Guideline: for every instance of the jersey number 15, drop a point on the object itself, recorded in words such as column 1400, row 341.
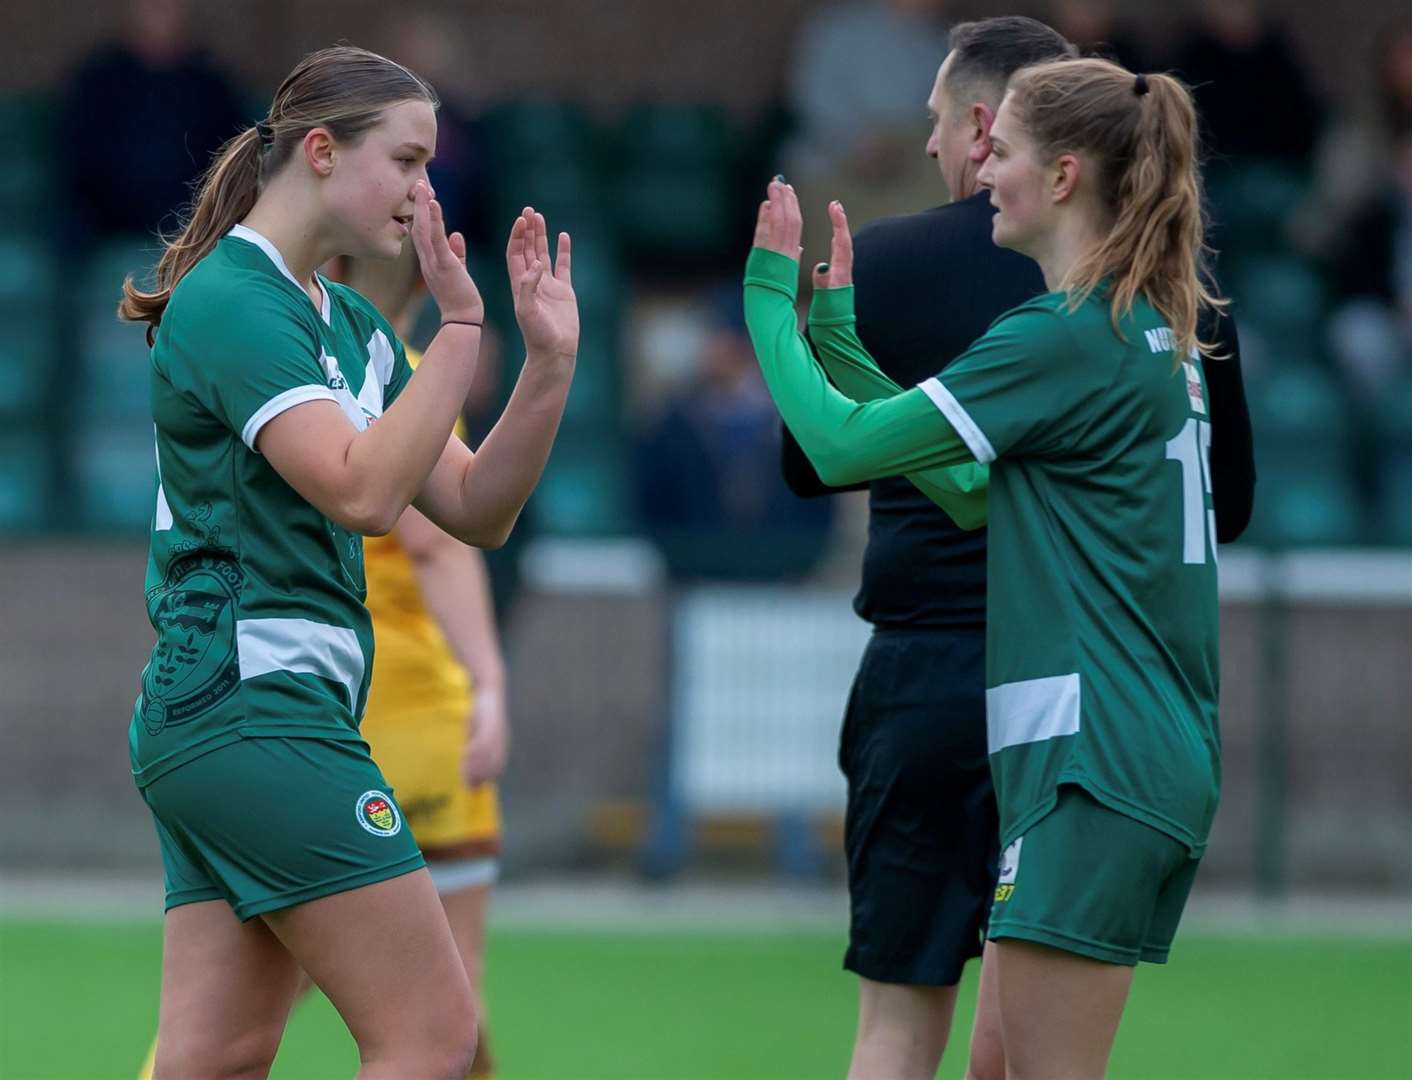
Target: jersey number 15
column 1192, row 450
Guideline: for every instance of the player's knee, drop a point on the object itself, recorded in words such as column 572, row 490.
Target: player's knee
column 241, row 1057
column 458, row 1051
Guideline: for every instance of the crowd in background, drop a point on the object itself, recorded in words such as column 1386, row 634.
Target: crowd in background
column 669, row 431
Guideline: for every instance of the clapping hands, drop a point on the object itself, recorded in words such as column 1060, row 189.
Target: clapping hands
column 779, row 227
column 545, row 305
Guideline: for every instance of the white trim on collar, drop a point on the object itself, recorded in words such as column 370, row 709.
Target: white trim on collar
column 250, row 236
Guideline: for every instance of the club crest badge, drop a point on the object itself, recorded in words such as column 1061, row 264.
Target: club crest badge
column 195, row 665
column 378, row 814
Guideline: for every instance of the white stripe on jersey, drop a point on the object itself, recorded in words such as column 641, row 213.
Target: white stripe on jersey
column 302, row 645
column 1031, row 710
column 960, row 419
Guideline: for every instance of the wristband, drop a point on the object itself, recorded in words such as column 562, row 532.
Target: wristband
column 460, row 322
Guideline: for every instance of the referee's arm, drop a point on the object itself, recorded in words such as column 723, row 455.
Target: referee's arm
column 1232, row 444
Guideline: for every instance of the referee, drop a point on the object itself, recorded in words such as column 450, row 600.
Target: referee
column 921, row 831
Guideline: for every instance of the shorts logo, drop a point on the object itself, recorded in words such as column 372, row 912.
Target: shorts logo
column 378, row 815
column 1009, row 868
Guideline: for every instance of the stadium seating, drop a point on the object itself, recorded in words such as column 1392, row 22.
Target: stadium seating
column 1281, row 295
column 1392, row 424
column 584, row 488
column 545, row 154
column 1303, row 446
column 25, row 477
column 26, row 180
column 114, row 471
column 1251, row 201
column 673, row 181
column 111, row 460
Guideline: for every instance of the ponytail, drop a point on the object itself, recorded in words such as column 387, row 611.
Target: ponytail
column 342, row 89
column 1141, row 134
column 226, row 194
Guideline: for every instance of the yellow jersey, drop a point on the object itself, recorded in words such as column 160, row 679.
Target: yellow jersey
column 413, row 666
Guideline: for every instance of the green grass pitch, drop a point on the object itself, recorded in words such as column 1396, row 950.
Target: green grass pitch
column 78, row 1001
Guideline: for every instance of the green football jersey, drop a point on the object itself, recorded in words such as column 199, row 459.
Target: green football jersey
column 255, row 596
column 1102, row 660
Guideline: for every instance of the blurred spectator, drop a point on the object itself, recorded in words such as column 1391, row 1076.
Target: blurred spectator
column 425, row 41
column 859, row 71
column 709, row 488
column 1251, row 88
column 141, row 118
column 1093, row 26
column 1371, row 328
column 1355, row 160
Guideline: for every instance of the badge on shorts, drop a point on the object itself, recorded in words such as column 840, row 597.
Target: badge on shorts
column 1009, row 867
column 378, row 814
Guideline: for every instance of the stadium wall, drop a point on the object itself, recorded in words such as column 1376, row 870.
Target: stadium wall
column 1316, row 686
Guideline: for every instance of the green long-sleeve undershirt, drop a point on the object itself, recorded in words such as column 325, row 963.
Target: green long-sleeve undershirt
column 847, row 441
column 960, row 490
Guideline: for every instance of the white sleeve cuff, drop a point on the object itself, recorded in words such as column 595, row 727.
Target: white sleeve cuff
column 960, row 419
column 278, row 404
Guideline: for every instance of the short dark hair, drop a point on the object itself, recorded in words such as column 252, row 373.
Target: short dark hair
column 986, row 52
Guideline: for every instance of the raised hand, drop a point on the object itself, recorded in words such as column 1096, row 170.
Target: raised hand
column 545, row 305
column 838, row 271
column 443, row 261
column 779, row 226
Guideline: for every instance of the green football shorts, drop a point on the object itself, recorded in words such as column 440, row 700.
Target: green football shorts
column 266, row 823
column 1092, row 881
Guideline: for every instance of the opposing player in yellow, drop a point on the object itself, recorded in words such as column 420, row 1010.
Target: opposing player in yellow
column 435, row 720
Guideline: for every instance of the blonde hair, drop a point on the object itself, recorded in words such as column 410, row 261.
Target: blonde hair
column 1141, row 133
column 343, row 89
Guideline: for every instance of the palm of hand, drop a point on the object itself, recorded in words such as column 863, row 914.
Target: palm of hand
column 550, row 321
column 545, row 305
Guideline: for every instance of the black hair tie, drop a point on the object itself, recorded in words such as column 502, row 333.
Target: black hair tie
column 266, row 134
column 1140, row 85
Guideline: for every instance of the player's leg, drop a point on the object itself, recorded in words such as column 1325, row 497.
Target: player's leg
column 226, row 991
column 1059, row 1010
column 460, row 834
column 902, row 1030
column 383, row 954
column 920, row 836
column 1074, row 910
column 305, row 833
column 466, row 912
column 226, row 985
column 987, row 1057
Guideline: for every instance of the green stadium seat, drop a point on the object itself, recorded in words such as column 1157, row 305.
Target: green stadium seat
column 1392, row 432
column 1283, row 295
column 113, row 374
column 674, row 183
column 583, row 491
column 115, row 473
column 540, row 130
column 24, row 477
column 1299, row 414
column 1251, row 201
column 546, row 155
column 103, row 272
column 28, row 366
column 1303, row 507
column 116, row 379
column 27, row 271
column 596, row 394
column 27, row 177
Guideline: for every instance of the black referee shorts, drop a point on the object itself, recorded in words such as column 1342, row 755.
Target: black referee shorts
column 921, row 832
